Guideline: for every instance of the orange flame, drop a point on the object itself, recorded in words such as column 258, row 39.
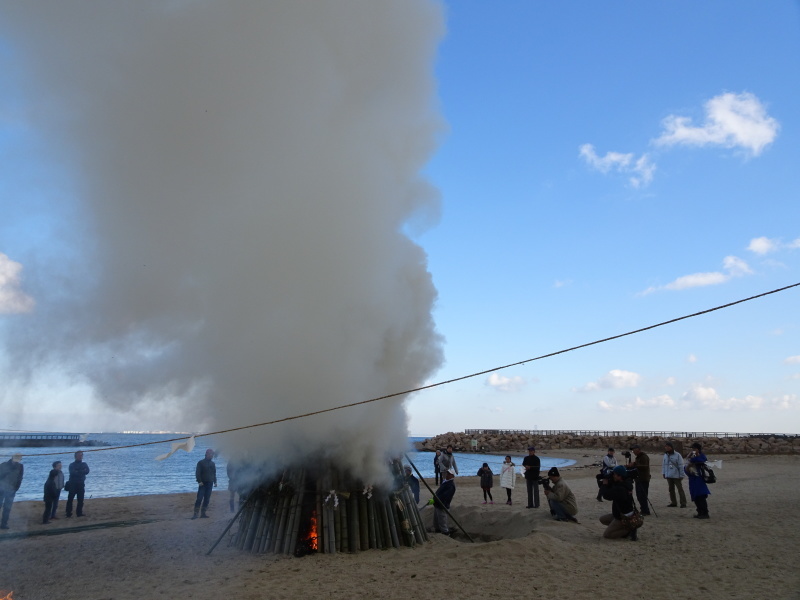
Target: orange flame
column 8, row 595
column 313, row 533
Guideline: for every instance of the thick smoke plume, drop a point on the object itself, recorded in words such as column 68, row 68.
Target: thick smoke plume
column 244, row 173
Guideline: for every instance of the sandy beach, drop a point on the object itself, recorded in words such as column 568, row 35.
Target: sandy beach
column 746, row 550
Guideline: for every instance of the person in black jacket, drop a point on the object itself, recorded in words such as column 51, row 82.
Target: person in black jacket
column 619, row 489
column 487, row 481
column 206, row 475
column 11, row 473
column 51, row 492
column 532, row 465
column 76, row 484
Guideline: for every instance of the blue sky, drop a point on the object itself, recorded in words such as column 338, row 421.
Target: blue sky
column 604, row 167
column 608, row 167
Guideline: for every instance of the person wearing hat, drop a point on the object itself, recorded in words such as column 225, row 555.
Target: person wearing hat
column 698, row 490
column 11, row 473
column 563, row 505
column 642, row 482
column 672, row 470
column 532, row 465
column 619, row 489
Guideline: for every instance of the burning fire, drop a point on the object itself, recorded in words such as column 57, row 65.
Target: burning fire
column 8, row 595
column 313, row 533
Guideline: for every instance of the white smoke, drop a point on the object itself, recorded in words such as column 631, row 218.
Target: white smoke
column 244, row 173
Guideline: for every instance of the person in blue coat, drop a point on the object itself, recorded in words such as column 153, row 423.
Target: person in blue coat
column 698, row 490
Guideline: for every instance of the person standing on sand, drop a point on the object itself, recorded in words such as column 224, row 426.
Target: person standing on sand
column 487, row 481
column 51, row 492
column 437, row 474
column 508, row 477
column 11, row 473
column 76, row 484
column 59, row 487
column 532, row 466
column 672, row 470
column 642, row 483
column 698, row 490
column 206, row 475
column 447, row 462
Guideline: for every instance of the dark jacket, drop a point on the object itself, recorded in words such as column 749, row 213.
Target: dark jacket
column 206, row 471
column 11, row 475
column 621, row 495
column 413, row 483
column 642, row 464
column 535, row 465
column 78, row 471
column 51, row 489
column 487, row 477
column 445, row 493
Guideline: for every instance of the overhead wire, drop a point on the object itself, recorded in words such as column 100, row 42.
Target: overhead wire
column 440, row 383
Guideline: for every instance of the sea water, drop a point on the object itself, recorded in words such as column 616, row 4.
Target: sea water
column 133, row 470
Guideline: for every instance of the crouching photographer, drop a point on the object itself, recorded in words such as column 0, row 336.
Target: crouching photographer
column 562, row 502
column 624, row 519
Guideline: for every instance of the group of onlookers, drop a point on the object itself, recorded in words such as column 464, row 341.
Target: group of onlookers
column 616, row 483
column 12, row 472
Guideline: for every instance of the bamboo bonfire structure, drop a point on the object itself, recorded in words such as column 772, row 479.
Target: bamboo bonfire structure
column 302, row 511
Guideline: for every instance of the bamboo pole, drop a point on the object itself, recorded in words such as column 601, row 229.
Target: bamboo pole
column 363, row 520
column 294, row 529
column 387, row 534
column 283, row 514
column 355, row 529
column 392, row 522
column 271, row 506
column 373, row 543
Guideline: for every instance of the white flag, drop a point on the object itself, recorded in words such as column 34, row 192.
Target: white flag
column 187, row 445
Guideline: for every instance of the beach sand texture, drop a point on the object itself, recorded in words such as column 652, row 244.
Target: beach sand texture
column 748, row 549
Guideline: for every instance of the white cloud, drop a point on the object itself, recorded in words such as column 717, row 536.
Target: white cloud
column 662, row 401
column 762, row 245
column 786, row 402
column 732, row 120
column 705, row 397
column 562, row 283
column 641, row 169
column 12, row 298
column 734, row 266
column 613, row 380
column 792, row 360
column 691, row 358
column 765, row 245
column 670, row 381
column 505, row 384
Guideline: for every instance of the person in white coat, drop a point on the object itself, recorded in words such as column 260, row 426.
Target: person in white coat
column 508, row 477
column 672, row 470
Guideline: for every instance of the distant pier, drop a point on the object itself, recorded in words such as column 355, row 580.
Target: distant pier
column 40, row 440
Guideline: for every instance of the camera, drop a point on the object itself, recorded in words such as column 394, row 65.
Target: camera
column 544, row 482
column 627, row 454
